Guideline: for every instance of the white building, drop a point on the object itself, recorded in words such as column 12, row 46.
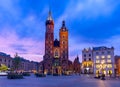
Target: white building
column 103, row 60
column 98, row 60
column 87, row 61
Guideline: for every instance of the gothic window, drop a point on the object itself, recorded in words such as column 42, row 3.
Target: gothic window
column 63, row 42
column 56, row 54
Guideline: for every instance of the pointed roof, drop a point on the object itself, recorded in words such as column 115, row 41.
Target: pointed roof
column 56, row 43
column 49, row 15
column 63, row 28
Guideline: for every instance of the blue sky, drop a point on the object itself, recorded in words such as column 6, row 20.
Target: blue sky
column 90, row 23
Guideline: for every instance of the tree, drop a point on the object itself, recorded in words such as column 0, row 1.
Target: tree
column 16, row 62
column 3, row 67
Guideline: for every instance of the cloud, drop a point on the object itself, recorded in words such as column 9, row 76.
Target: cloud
column 26, row 47
column 23, row 32
column 76, row 46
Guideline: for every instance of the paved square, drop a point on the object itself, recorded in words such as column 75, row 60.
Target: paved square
column 58, row 81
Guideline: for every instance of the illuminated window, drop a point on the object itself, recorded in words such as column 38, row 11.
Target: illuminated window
column 109, row 72
column 109, row 61
column 109, row 56
column 102, row 56
column 102, row 61
column 97, row 61
column 97, row 66
column 87, row 49
column 104, row 66
column 109, row 65
column 97, row 57
column 97, row 72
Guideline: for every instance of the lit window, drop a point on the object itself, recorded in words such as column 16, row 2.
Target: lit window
column 103, row 56
column 109, row 65
column 104, row 66
column 109, row 72
column 97, row 57
column 102, row 61
column 109, row 56
column 109, row 61
column 97, row 61
column 97, row 66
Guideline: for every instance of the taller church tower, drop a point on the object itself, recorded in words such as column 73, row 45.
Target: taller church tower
column 49, row 37
column 49, row 41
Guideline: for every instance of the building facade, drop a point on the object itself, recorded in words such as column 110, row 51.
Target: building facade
column 76, row 66
column 6, row 60
column 55, row 59
column 87, row 61
column 117, row 64
column 104, row 61
column 98, row 60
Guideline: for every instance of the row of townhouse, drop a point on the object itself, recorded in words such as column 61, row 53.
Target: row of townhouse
column 98, row 60
column 25, row 65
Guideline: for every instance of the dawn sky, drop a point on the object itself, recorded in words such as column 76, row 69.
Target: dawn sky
column 90, row 23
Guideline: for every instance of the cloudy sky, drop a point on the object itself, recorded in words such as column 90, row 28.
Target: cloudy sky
column 90, row 23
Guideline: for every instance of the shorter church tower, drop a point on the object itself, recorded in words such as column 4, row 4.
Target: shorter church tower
column 63, row 35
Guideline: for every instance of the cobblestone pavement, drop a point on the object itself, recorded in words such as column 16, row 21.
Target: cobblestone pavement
column 59, row 81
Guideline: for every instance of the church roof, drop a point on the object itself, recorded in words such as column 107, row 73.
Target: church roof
column 49, row 16
column 49, row 19
column 63, row 28
column 56, row 43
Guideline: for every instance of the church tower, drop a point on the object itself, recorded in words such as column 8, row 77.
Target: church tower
column 49, row 37
column 49, row 44
column 63, row 34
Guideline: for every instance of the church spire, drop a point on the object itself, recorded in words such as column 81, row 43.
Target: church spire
column 63, row 28
column 49, row 15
